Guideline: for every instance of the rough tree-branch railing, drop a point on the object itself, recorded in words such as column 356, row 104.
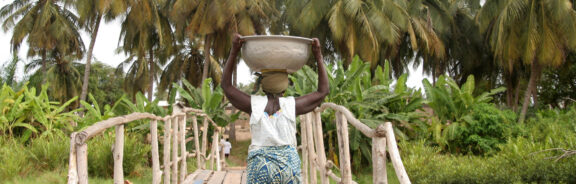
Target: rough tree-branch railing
column 174, row 136
column 314, row 156
column 313, row 153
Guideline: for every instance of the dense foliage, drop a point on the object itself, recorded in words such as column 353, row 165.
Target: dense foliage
column 463, row 122
column 373, row 98
column 530, row 157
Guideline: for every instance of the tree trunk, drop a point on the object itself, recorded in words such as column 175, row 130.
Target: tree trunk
column 535, row 93
column 535, row 72
column 151, row 87
column 88, row 61
column 43, row 66
column 516, row 97
column 206, row 59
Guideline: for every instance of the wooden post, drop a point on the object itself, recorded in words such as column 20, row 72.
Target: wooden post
column 204, row 141
column 183, row 154
column 167, row 132
column 119, row 155
column 379, row 175
column 344, row 148
column 174, row 150
column 216, row 144
column 196, row 141
column 72, row 169
column 311, row 151
column 82, row 161
column 304, row 146
column 319, row 142
column 395, row 155
column 156, row 173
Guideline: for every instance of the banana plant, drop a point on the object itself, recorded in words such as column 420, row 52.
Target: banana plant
column 52, row 117
column 205, row 98
column 93, row 112
column 35, row 113
column 370, row 96
column 13, row 111
column 453, row 109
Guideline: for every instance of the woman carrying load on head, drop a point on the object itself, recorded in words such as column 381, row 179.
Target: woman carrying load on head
column 272, row 155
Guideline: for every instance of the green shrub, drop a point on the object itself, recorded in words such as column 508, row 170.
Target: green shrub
column 487, row 127
column 523, row 159
column 100, row 157
column 50, row 153
column 14, row 160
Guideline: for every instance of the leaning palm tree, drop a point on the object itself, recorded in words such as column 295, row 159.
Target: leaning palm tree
column 537, row 33
column 47, row 27
column 90, row 14
column 147, row 35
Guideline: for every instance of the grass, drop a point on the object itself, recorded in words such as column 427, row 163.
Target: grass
column 60, row 176
column 238, row 154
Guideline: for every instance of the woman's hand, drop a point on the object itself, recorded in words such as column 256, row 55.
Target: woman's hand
column 316, row 48
column 237, row 42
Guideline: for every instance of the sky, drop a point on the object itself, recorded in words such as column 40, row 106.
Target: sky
column 105, row 52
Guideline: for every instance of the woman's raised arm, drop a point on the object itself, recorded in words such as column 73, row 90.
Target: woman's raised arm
column 309, row 102
column 238, row 98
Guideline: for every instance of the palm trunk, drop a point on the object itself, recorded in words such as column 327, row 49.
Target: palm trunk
column 43, row 66
column 206, row 59
column 88, row 61
column 151, row 87
column 516, row 97
column 535, row 72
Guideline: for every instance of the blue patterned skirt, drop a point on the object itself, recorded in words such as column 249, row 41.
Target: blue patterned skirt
column 274, row 164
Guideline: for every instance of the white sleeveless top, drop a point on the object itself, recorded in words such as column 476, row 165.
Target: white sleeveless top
column 272, row 130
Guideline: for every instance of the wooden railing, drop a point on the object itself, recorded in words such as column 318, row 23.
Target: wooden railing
column 315, row 165
column 314, row 157
column 174, row 152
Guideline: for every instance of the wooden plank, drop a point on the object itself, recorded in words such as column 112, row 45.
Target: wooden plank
column 72, row 169
column 196, row 141
column 167, row 127
column 82, row 162
column 395, row 155
column 311, row 149
column 182, row 142
column 344, row 148
column 233, row 177
column 319, row 142
column 217, row 177
column 174, row 162
column 156, row 172
column 119, row 155
column 304, row 143
column 244, row 178
column 204, row 142
column 379, row 160
column 204, row 175
column 190, row 178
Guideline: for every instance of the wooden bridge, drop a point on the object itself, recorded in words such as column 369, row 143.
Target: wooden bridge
column 212, row 168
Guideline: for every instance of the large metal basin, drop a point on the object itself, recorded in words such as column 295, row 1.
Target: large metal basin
column 276, row 52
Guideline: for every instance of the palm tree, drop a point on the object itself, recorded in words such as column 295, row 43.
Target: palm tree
column 8, row 71
column 63, row 77
column 215, row 21
column 90, row 14
column 47, row 27
column 186, row 64
column 537, row 33
column 146, row 31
